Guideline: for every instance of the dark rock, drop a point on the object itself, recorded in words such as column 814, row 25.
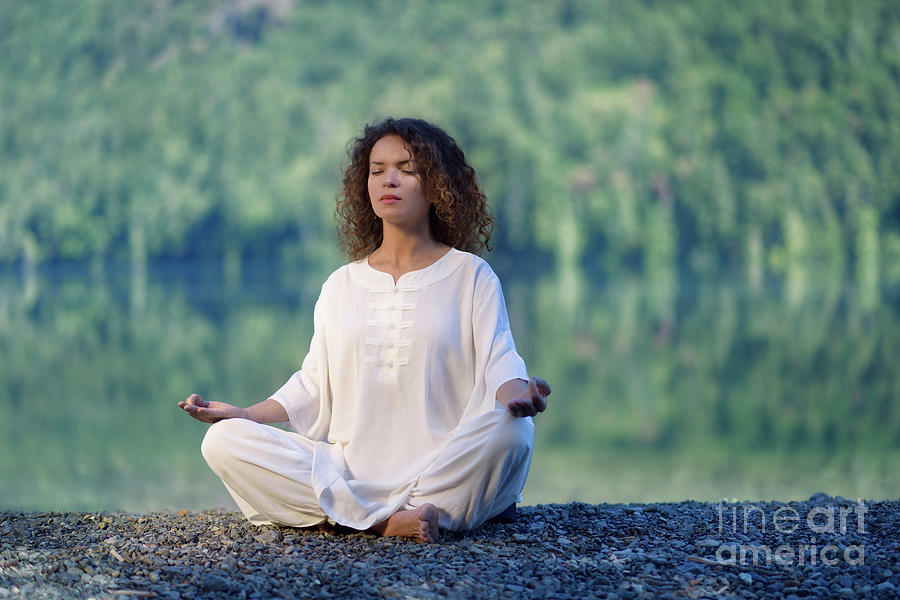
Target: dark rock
column 269, row 536
column 820, row 498
column 214, row 583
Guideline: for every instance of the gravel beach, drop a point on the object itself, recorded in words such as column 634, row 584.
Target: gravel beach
column 674, row 550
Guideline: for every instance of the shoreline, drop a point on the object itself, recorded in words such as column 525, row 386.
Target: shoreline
column 685, row 549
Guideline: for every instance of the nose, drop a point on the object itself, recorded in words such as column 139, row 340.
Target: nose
column 391, row 178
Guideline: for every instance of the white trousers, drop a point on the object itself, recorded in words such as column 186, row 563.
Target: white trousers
column 479, row 472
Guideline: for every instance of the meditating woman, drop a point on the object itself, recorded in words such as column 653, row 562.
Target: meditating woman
column 411, row 411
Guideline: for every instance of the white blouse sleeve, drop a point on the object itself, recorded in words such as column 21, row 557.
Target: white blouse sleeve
column 495, row 350
column 305, row 396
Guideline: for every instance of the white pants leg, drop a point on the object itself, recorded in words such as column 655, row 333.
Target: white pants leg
column 266, row 470
column 479, row 473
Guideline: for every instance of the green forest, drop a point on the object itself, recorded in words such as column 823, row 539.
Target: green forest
column 684, row 136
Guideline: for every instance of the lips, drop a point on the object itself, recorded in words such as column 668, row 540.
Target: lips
column 390, row 199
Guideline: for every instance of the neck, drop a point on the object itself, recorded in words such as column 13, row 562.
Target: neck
column 402, row 246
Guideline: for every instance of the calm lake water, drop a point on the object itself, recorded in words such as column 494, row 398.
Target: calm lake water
column 661, row 390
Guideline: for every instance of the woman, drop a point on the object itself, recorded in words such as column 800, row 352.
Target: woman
column 411, row 410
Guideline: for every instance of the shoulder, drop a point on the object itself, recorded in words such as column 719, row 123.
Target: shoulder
column 476, row 265
column 338, row 281
column 480, row 275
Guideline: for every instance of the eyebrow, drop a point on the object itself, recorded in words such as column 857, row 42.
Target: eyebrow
column 402, row 162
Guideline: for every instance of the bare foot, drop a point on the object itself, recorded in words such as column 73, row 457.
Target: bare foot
column 420, row 524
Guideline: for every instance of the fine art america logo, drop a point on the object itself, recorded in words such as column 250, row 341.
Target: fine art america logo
column 826, row 520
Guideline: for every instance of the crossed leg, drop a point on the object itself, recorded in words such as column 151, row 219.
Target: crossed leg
column 479, row 472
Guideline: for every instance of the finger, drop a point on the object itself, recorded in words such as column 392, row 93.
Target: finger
column 195, row 411
column 542, row 385
column 521, row 408
column 196, row 400
column 539, row 393
column 538, row 402
column 204, row 415
column 514, row 409
column 528, row 409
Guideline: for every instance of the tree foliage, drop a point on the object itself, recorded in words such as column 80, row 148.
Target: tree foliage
column 605, row 133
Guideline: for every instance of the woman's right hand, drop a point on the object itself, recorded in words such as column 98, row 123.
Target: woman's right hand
column 210, row 412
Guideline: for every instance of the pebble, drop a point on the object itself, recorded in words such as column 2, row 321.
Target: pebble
column 552, row 551
column 214, row 583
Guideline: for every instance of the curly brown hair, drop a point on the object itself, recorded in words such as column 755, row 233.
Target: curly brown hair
column 459, row 214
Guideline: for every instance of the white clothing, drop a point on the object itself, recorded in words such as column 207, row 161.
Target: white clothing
column 397, row 376
column 478, row 473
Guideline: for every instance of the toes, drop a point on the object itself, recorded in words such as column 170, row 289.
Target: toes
column 428, row 532
column 424, row 533
column 428, row 523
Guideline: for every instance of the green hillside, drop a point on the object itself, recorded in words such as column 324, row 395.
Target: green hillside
column 704, row 136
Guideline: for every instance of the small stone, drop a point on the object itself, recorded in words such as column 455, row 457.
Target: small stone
column 820, row 497
column 68, row 578
column 537, row 528
column 214, row 583
column 269, row 536
column 746, row 578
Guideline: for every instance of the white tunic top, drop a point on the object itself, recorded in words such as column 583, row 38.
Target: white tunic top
column 392, row 371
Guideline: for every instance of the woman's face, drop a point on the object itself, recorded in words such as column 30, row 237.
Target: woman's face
column 395, row 188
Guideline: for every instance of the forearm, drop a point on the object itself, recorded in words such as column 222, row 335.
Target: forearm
column 511, row 389
column 267, row 411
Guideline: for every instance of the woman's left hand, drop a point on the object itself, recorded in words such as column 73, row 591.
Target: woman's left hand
column 531, row 400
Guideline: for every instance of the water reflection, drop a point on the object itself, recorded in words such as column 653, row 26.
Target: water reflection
column 663, row 390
